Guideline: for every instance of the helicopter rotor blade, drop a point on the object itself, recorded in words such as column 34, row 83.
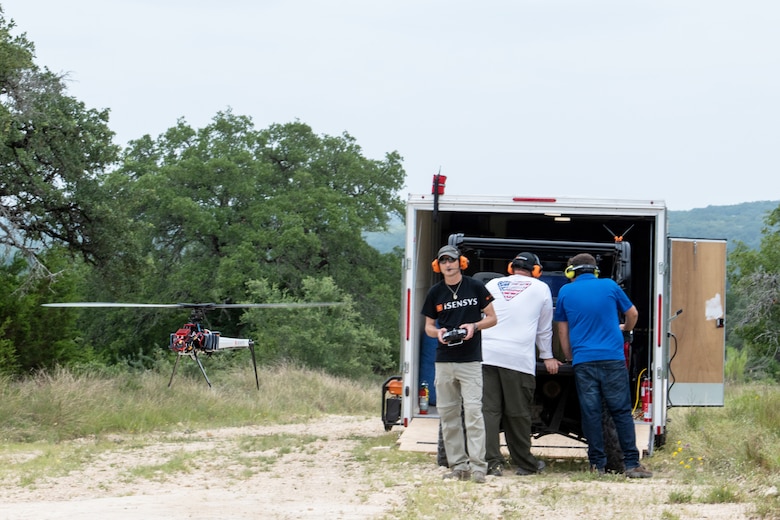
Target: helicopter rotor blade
column 109, row 304
column 274, row 305
column 196, row 305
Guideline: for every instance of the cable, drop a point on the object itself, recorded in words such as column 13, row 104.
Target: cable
column 671, row 374
column 638, row 384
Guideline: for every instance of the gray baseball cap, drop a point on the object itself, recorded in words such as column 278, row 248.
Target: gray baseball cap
column 450, row 251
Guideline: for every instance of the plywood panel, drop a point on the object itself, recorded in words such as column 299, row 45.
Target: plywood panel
column 698, row 288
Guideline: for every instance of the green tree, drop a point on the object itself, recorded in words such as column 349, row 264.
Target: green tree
column 53, row 152
column 223, row 205
column 754, row 276
column 336, row 338
column 33, row 337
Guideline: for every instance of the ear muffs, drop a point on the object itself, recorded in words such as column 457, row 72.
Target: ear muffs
column 536, row 271
column 463, row 261
column 571, row 271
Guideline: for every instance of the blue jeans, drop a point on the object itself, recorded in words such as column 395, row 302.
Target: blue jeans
column 606, row 382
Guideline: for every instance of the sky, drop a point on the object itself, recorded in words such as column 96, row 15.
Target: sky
column 622, row 99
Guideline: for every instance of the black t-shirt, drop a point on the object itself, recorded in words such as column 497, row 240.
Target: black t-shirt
column 451, row 312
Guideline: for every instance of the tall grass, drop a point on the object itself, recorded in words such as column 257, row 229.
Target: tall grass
column 741, row 437
column 737, row 445
column 64, row 405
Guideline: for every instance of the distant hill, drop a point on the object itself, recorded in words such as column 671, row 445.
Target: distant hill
column 738, row 222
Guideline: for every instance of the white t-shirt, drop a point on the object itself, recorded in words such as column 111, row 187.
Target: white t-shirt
column 523, row 306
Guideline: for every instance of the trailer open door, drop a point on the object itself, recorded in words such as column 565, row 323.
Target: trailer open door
column 697, row 334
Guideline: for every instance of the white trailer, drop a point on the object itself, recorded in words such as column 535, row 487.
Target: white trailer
column 677, row 284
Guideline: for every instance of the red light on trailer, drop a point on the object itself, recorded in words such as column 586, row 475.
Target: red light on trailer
column 439, row 183
column 533, row 199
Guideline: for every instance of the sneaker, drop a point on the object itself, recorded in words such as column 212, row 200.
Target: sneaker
column 600, row 471
column 478, row 477
column 457, row 474
column 496, row 471
column 639, row 472
column 540, row 465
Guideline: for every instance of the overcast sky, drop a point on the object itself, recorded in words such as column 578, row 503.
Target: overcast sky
column 664, row 99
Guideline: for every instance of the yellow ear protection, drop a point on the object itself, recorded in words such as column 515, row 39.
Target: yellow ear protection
column 521, row 260
column 462, row 260
column 571, row 271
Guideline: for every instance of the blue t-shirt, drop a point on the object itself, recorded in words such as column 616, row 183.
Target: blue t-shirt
column 592, row 308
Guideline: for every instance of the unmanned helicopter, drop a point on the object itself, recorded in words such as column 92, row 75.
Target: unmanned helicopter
column 192, row 338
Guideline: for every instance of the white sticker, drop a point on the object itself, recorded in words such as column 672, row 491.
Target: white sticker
column 713, row 308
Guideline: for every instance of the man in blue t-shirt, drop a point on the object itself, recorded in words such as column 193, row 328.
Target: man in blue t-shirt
column 587, row 314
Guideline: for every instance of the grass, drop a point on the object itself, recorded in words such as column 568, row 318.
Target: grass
column 52, row 424
column 62, row 406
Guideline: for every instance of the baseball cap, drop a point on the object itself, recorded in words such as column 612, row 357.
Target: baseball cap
column 525, row 261
column 450, row 251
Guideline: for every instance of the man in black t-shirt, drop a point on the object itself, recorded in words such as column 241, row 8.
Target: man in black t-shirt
column 459, row 302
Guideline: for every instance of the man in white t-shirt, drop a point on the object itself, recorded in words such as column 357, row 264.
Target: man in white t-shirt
column 523, row 306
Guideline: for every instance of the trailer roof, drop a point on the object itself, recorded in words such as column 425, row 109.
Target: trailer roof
column 530, row 203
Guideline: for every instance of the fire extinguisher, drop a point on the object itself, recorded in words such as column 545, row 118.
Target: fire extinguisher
column 424, row 398
column 647, row 400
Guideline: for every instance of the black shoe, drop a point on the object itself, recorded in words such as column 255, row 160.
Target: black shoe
column 496, row 471
column 540, row 465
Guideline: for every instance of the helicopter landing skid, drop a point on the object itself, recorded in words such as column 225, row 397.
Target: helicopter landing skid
column 194, row 355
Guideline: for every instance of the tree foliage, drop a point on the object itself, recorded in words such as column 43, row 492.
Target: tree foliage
column 53, row 151
column 336, row 339
column 754, row 275
column 217, row 207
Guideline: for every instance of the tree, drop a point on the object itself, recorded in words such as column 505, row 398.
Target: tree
column 335, row 339
column 754, row 276
column 33, row 337
column 53, row 152
column 224, row 205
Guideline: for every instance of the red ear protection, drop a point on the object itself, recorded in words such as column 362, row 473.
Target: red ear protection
column 536, row 272
column 463, row 261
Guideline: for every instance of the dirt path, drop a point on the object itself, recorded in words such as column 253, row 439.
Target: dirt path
column 319, row 482
column 317, row 478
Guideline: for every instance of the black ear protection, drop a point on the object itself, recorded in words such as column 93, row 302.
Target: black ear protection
column 536, row 269
column 462, row 261
column 571, row 271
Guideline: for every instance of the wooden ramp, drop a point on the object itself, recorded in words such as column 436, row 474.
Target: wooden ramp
column 422, row 435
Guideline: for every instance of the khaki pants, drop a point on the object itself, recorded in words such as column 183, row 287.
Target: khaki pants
column 459, row 386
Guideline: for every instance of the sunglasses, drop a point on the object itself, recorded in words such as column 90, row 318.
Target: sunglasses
column 446, row 260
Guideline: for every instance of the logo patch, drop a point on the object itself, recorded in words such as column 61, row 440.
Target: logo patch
column 511, row 288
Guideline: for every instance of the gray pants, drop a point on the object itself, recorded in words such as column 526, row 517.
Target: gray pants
column 459, row 385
